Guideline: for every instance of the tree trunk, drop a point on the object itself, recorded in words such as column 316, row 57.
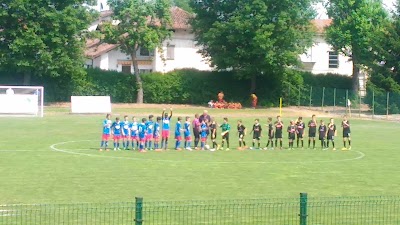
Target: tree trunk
column 139, row 84
column 253, row 83
column 27, row 78
column 355, row 76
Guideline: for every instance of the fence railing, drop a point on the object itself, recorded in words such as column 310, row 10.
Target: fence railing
column 372, row 103
column 281, row 211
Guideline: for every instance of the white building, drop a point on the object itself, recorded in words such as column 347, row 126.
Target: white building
column 321, row 57
column 179, row 52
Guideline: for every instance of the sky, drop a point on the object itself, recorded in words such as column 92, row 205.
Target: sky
column 388, row 4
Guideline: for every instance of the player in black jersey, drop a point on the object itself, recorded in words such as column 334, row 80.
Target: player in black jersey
column 322, row 134
column 300, row 131
column 257, row 129
column 270, row 134
column 291, row 133
column 346, row 133
column 331, row 134
column 241, row 132
column 213, row 133
column 278, row 132
column 312, row 131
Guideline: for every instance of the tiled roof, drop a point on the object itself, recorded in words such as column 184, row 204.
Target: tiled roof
column 321, row 24
column 94, row 48
column 180, row 18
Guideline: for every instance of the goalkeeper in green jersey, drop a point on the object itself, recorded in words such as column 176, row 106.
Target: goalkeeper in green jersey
column 225, row 127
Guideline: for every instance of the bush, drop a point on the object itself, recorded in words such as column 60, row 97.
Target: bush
column 186, row 86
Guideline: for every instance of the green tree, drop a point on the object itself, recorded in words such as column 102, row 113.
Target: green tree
column 141, row 24
column 254, row 38
column 43, row 37
column 353, row 32
column 183, row 4
column 386, row 69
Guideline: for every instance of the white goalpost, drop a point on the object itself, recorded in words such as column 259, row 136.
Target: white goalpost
column 21, row 101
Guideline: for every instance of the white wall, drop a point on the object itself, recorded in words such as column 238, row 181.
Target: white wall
column 317, row 59
column 97, row 6
column 186, row 55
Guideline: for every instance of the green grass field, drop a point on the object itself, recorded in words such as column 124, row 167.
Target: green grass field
column 55, row 159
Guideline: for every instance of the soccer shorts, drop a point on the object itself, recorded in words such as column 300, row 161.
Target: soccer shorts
column 241, row 135
column 188, row 138
column 278, row 134
column 178, row 138
column 134, row 138
column 149, row 137
column 311, row 134
column 203, row 138
column 346, row 134
column 271, row 134
column 321, row 137
column 142, row 138
column 125, row 136
column 291, row 136
column 165, row 134
column 330, row 137
column 117, row 137
column 300, row 134
column 105, row 137
column 256, row 136
column 226, row 136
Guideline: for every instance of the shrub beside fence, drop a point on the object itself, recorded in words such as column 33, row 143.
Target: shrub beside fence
column 381, row 210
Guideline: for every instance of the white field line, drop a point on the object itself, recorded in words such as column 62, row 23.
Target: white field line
column 359, row 156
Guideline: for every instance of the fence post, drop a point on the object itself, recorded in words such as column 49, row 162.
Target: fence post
column 323, row 98
column 303, row 209
column 334, row 99
column 387, row 105
column 138, row 211
column 373, row 104
column 310, row 96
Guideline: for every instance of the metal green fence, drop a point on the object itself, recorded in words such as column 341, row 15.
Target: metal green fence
column 281, row 211
column 371, row 103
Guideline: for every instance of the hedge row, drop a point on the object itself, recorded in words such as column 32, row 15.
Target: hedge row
column 183, row 86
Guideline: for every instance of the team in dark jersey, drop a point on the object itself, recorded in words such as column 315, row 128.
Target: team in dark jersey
column 143, row 135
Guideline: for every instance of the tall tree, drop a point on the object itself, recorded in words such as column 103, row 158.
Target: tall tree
column 255, row 38
column 141, row 24
column 355, row 25
column 43, row 37
column 387, row 56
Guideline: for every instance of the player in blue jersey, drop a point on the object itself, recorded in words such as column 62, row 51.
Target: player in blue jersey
column 157, row 134
column 125, row 133
column 133, row 126
column 188, row 137
column 116, row 130
column 203, row 133
column 150, row 133
column 142, row 134
column 106, row 132
column 178, row 134
column 165, row 128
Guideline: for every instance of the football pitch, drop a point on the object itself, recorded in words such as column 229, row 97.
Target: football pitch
column 55, row 159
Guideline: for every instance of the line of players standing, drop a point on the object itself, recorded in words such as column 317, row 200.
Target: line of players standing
column 142, row 134
column 296, row 131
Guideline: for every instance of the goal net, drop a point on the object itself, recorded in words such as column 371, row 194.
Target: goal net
column 21, row 101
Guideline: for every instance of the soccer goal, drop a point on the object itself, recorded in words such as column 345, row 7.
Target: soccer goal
column 21, row 101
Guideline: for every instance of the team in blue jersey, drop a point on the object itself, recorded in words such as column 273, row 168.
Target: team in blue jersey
column 145, row 135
